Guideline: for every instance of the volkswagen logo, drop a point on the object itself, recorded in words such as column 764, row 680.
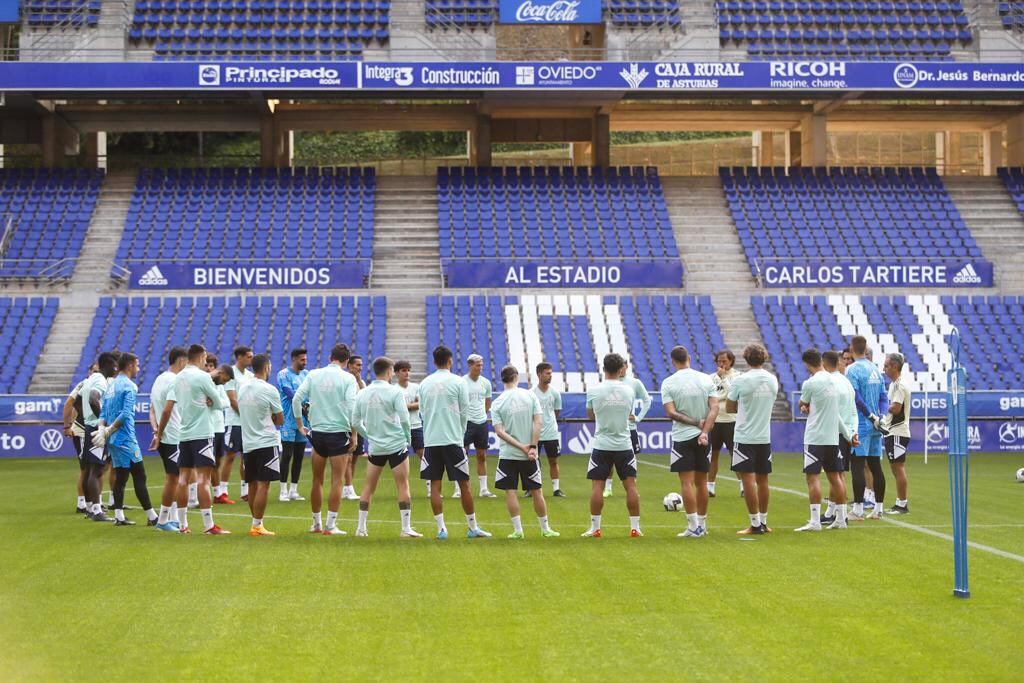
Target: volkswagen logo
column 51, row 440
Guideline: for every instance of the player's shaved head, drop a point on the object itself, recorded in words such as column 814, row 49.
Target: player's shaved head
column 680, row 355
column 260, row 362
column 381, row 365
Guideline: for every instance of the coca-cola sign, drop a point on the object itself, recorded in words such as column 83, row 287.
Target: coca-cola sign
column 550, row 12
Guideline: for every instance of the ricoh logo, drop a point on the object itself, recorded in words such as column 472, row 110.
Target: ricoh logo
column 906, row 75
column 807, row 69
column 399, row 75
column 557, row 12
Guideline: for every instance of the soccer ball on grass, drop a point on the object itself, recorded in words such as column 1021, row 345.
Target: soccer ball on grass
column 673, row 502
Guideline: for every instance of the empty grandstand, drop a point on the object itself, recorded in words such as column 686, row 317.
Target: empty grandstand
column 272, row 325
column 45, row 216
column 843, row 30
column 844, row 213
column 62, row 12
column 24, row 326
column 248, row 215
column 573, row 333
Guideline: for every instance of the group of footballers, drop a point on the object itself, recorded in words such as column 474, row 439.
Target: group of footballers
column 205, row 415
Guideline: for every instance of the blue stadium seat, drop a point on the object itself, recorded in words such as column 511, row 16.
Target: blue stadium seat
column 24, row 325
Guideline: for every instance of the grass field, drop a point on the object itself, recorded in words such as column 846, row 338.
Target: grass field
column 85, row 601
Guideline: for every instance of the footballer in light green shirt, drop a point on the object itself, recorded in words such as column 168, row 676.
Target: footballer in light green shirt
column 754, row 393
column 194, row 393
column 331, row 394
column 480, row 391
column 382, row 416
column 259, row 411
column 819, row 399
column 692, row 398
column 444, row 408
column 610, row 405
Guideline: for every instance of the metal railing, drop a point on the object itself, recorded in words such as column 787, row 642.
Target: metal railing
column 51, row 43
column 5, row 241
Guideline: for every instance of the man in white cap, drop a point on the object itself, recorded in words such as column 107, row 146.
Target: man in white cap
column 480, row 393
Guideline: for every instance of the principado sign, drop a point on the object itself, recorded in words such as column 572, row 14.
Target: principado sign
column 538, row 12
column 670, row 76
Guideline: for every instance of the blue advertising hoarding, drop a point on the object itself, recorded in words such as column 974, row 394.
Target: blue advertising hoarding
column 747, row 77
column 47, row 440
column 539, row 12
column 9, row 11
column 488, row 273
column 256, row 275
column 862, row 273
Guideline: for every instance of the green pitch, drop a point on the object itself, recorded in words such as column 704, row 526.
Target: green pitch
column 81, row 600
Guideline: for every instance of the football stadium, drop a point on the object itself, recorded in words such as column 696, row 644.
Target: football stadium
column 512, row 339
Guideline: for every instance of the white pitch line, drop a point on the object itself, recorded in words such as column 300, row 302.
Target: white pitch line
column 895, row 522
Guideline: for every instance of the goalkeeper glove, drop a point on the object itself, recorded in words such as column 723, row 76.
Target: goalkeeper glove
column 99, row 437
column 879, row 424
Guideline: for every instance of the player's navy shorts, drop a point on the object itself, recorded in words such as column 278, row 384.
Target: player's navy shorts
column 601, row 463
column 329, row 444
column 818, row 458
column 262, row 464
column 196, row 453
column 122, row 457
column 476, row 435
column 870, row 444
column 550, row 447
column 896, row 447
column 511, row 472
column 634, row 438
column 689, row 456
column 440, row 460
column 417, row 439
column 78, row 451
column 233, row 439
column 218, row 446
column 360, row 446
column 391, row 459
column 752, row 457
column 722, row 435
column 91, row 454
column 845, row 451
column 169, row 456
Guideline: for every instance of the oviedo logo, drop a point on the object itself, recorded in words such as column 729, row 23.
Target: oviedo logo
column 51, row 440
column 905, row 75
column 209, row 74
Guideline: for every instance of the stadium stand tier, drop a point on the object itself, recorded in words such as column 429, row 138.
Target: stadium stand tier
column 843, row 29
column 1013, row 179
column 24, row 325
column 916, row 326
column 1012, row 15
column 238, row 214
column 273, row 325
column 74, row 13
column 483, row 13
column 45, row 216
column 849, row 213
column 573, row 332
column 566, row 213
column 267, row 29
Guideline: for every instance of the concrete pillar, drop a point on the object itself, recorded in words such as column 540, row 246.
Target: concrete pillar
column 51, row 147
column 763, row 143
column 954, row 158
column 581, row 152
column 94, row 153
column 276, row 143
column 480, row 141
column 992, row 151
column 601, row 142
column 941, row 154
column 1015, row 141
column 814, row 140
column 793, row 148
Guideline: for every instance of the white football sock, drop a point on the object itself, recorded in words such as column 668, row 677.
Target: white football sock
column 332, row 519
column 901, row 503
column 165, row 512
column 183, row 518
column 702, row 521
column 517, row 524
column 119, row 514
column 406, row 516
column 110, row 499
column 361, row 525
column 439, row 519
column 554, row 485
column 318, row 520
column 858, row 509
column 81, row 502
column 607, row 484
column 755, row 520
column 193, row 491
column 711, row 487
column 815, row 513
column 764, row 519
column 634, row 523
column 207, row 514
column 245, row 488
column 483, row 483
column 293, row 490
column 691, row 521
column 544, row 525
column 257, row 521
column 471, row 521
column 150, row 515
column 595, row 522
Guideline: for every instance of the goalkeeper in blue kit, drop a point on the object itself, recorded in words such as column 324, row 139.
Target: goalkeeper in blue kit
column 872, row 402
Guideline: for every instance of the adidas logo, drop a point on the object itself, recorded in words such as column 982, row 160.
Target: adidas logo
column 967, row 276
column 153, row 278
